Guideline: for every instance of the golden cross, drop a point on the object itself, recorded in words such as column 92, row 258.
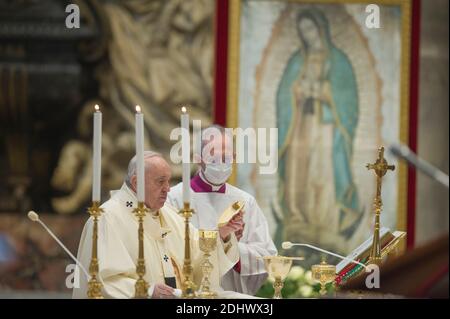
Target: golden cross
column 380, row 167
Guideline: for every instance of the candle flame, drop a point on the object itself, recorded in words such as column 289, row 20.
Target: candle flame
column 97, row 108
column 183, row 109
column 138, row 109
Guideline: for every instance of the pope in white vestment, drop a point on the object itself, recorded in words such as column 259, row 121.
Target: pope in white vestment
column 210, row 196
column 163, row 241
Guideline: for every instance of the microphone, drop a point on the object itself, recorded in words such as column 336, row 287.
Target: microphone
column 32, row 215
column 403, row 152
column 288, row 245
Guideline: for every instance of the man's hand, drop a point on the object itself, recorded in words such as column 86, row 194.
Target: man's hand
column 162, row 291
column 235, row 225
column 240, row 232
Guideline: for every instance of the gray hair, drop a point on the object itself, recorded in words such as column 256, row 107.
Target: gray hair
column 207, row 132
column 132, row 165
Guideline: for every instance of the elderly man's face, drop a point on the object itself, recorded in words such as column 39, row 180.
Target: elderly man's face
column 221, row 151
column 157, row 177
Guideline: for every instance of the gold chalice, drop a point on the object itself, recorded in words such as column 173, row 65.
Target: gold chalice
column 278, row 268
column 208, row 242
column 324, row 274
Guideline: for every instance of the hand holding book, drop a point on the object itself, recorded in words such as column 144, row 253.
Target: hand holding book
column 231, row 221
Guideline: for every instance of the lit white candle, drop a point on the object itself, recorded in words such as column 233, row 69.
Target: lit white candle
column 97, row 155
column 185, row 153
column 140, row 155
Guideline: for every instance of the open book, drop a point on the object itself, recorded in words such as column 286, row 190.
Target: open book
column 388, row 241
column 230, row 212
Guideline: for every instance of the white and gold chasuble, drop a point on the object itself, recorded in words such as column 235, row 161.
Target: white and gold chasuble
column 163, row 249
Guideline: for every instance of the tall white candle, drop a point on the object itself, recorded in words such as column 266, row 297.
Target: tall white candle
column 185, row 153
column 140, row 155
column 97, row 155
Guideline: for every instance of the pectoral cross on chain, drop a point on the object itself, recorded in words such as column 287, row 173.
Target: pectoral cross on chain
column 380, row 167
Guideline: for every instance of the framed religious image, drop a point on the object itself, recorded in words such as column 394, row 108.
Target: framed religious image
column 334, row 80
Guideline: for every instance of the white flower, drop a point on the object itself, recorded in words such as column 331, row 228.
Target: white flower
column 296, row 273
column 305, row 291
column 309, row 278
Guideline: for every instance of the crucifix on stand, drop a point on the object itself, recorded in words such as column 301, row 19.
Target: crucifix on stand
column 380, row 167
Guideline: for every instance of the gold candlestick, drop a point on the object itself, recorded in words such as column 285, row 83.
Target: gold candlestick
column 208, row 243
column 188, row 286
column 380, row 167
column 141, row 286
column 94, row 285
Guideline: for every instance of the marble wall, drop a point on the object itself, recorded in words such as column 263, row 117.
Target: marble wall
column 30, row 258
column 432, row 207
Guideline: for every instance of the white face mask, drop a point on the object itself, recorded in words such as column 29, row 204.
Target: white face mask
column 217, row 174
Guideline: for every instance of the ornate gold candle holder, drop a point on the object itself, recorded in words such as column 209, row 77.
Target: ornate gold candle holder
column 141, row 286
column 188, row 286
column 94, row 285
column 278, row 268
column 324, row 274
column 208, row 243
